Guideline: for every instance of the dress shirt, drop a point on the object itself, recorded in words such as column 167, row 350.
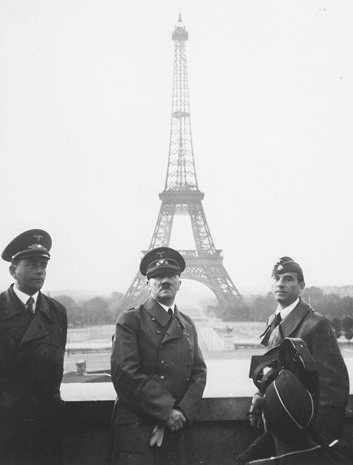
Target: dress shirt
column 166, row 308
column 24, row 297
column 284, row 312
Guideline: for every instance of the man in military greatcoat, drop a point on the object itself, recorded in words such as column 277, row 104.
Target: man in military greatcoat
column 157, row 369
column 32, row 343
column 296, row 319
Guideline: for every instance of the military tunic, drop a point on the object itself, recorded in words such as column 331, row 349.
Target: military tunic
column 31, row 369
column 156, row 366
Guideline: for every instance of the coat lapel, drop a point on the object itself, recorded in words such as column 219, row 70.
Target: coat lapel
column 9, row 307
column 157, row 313
column 37, row 329
column 287, row 327
column 267, row 333
column 176, row 328
column 14, row 319
column 293, row 320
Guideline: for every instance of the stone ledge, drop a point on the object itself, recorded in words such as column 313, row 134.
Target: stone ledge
column 212, row 409
column 221, row 432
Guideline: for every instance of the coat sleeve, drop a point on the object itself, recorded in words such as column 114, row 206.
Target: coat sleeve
column 61, row 321
column 64, row 326
column 333, row 381
column 190, row 402
column 141, row 392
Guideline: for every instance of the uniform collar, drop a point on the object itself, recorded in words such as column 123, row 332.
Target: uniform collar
column 284, row 312
column 287, row 327
column 159, row 314
column 24, row 297
column 166, row 308
column 43, row 307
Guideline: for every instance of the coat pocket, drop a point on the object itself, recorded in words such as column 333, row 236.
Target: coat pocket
column 124, row 416
column 132, row 438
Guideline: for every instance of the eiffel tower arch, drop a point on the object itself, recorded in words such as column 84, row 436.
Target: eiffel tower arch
column 181, row 196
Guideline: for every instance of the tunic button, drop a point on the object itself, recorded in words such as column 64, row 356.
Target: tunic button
column 162, row 377
column 158, row 331
column 153, row 319
column 162, row 362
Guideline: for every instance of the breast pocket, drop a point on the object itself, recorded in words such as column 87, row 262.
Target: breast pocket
column 49, row 354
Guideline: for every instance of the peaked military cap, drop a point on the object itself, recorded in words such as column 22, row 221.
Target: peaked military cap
column 287, row 265
column 32, row 243
column 162, row 260
column 288, row 407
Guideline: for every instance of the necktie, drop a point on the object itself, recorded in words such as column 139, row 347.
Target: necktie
column 171, row 313
column 267, row 333
column 30, row 305
column 277, row 320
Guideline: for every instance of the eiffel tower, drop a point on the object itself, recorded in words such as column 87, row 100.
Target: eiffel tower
column 181, row 196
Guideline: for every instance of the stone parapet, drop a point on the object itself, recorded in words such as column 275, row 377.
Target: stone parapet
column 219, row 434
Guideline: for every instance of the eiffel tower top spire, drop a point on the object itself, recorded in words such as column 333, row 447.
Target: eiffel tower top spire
column 181, row 173
column 180, row 33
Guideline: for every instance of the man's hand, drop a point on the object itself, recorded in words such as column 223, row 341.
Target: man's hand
column 255, row 411
column 176, row 420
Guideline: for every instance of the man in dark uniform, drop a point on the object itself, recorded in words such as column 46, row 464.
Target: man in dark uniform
column 157, row 369
column 296, row 319
column 32, row 343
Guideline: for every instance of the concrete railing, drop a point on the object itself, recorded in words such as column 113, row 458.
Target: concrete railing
column 219, row 434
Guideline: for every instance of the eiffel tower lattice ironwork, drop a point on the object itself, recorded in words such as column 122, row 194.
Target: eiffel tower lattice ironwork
column 181, row 195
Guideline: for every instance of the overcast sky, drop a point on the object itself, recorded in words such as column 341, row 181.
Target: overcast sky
column 85, row 103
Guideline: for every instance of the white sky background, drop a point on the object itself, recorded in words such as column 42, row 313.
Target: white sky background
column 85, row 103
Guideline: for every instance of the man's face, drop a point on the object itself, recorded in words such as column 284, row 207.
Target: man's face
column 29, row 274
column 164, row 287
column 287, row 288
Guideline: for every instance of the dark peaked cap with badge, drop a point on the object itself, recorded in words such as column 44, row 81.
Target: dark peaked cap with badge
column 287, row 265
column 162, row 260
column 32, row 243
column 281, row 400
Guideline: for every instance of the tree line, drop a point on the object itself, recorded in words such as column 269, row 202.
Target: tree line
column 105, row 310
column 95, row 311
column 330, row 305
column 338, row 309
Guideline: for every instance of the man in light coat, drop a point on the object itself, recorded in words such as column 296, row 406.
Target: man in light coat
column 157, row 370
